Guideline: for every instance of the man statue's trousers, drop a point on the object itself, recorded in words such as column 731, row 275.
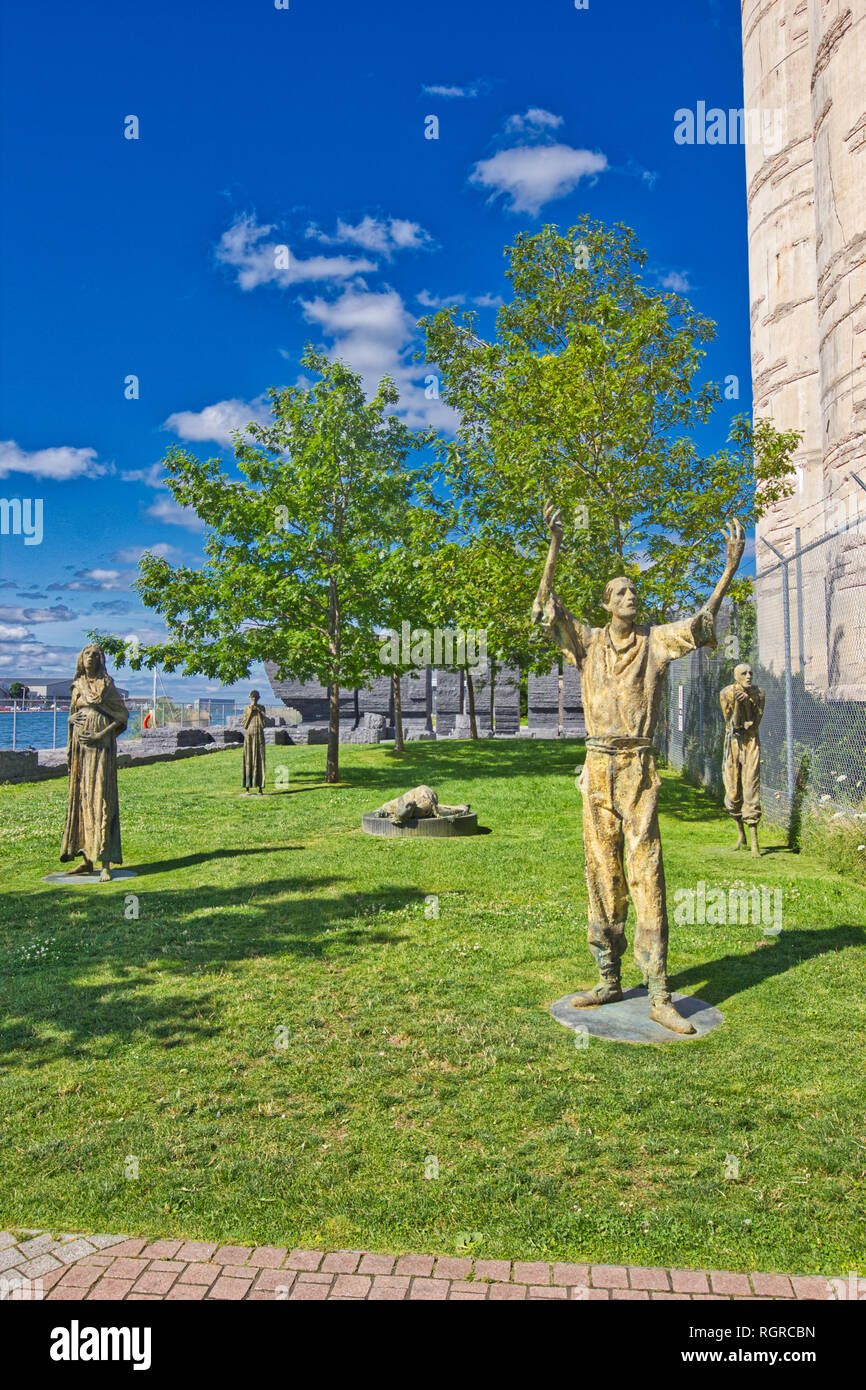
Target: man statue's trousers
column 741, row 773
column 624, row 854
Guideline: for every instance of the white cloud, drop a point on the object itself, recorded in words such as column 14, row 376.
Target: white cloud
column 384, row 236
column 429, row 300
column 259, row 261
column 535, row 121
column 14, row 634
column 452, row 92
column 217, row 422
column 435, row 301
column 133, row 553
column 677, row 282
column 151, row 477
column 59, row 614
column 106, row 578
column 374, row 333
column 165, row 509
column 368, row 327
column 58, row 464
column 488, row 301
column 532, row 175
column 94, row 580
column 28, row 657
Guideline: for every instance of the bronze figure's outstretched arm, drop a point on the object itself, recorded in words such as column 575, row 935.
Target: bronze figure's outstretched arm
column 553, row 518
column 735, row 544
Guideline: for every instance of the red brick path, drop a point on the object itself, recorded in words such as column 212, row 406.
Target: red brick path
column 39, row 1265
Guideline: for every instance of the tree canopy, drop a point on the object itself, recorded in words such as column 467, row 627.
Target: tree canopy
column 590, row 397
column 298, row 548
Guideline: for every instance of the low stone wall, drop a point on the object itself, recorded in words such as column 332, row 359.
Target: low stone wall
column 20, row 766
column 158, row 746
column 32, row 765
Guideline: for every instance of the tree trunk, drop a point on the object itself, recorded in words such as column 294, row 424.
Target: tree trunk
column 470, row 691
column 332, row 771
column 399, row 745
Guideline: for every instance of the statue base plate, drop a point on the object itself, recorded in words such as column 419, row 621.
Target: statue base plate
column 629, row 1020
column 70, row 880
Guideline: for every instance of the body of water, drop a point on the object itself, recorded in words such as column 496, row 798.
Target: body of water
column 35, row 729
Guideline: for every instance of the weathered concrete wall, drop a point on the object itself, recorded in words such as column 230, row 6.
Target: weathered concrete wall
column 572, row 704
column 783, row 282
column 506, row 700
column 807, row 273
column 483, row 688
column 449, row 701
column 416, row 697
column 543, row 702
column 838, row 55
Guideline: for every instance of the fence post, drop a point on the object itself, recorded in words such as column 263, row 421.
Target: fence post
column 799, row 573
column 54, row 732
column 789, row 693
column 701, row 712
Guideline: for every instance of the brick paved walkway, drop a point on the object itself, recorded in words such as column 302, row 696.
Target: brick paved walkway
column 36, row 1264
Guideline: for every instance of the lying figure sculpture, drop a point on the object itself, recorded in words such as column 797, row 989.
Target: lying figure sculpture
column 418, row 804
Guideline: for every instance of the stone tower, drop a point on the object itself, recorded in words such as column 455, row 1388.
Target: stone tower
column 807, row 273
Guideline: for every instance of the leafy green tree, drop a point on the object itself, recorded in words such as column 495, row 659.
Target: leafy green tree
column 486, row 585
column 408, row 581
column 590, row 397
column 292, row 550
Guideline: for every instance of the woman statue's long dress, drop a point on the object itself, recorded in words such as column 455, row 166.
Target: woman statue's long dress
column 254, row 745
column 96, row 716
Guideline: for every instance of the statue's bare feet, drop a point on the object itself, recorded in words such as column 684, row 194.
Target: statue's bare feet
column 753, row 833
column 85, row 867
column 105, row 876
column 605, row 992
column 663, row 1011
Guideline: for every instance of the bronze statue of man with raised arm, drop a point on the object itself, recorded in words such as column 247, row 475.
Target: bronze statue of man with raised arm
column 621, row 667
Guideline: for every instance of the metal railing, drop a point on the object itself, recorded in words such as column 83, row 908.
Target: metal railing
column 43, row 724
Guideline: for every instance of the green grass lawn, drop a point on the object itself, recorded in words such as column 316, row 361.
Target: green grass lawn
column 409, row 1036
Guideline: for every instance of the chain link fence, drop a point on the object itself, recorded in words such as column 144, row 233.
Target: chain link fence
column 805, row 638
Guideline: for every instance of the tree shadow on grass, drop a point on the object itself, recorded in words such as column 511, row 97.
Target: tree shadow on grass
column 191, row 932
column 459, row 761
column 162, row 866
column 677, row 798
column 737, row 972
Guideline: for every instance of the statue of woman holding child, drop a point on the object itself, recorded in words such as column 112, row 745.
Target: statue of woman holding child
column 96, row 716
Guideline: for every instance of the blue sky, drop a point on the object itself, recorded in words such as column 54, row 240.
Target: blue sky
column 302, row 127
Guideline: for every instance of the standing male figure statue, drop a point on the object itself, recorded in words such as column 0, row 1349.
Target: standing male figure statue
column 743, row 707
column 621, row 667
